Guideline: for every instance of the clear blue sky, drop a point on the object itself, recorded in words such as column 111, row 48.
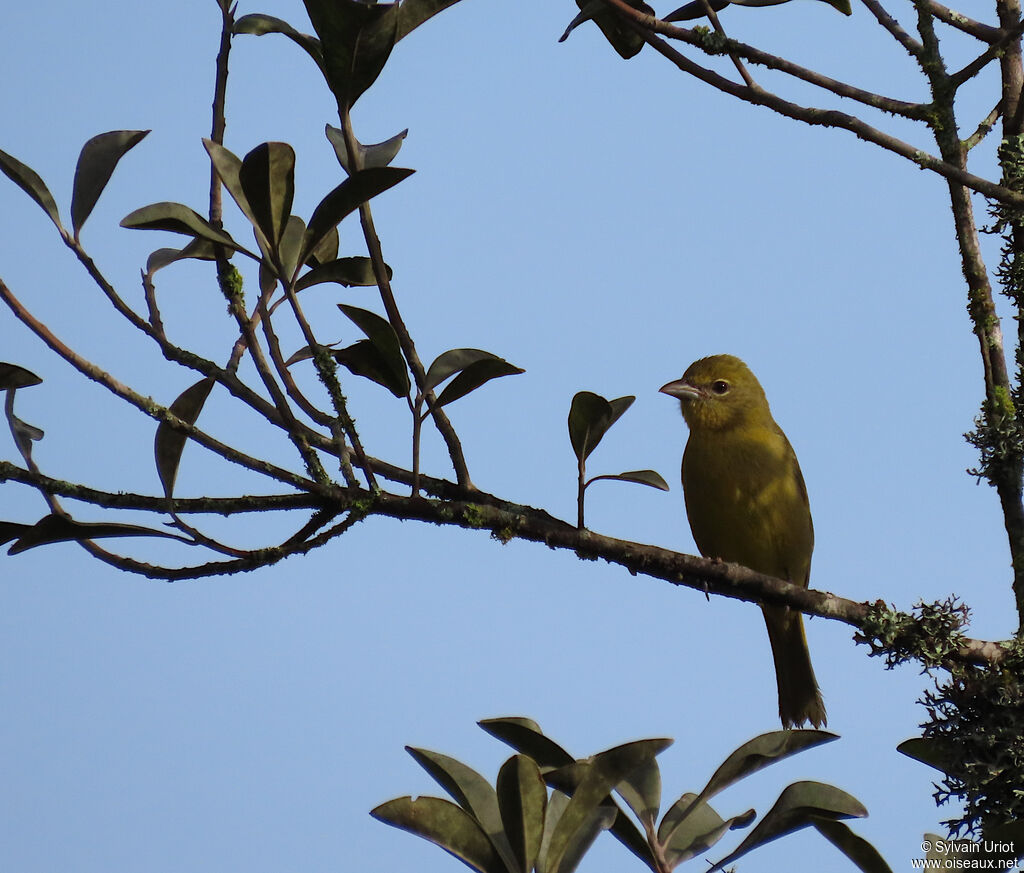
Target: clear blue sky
column 598, row 222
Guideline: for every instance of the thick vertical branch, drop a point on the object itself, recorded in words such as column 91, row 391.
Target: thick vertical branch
column 1004, row 466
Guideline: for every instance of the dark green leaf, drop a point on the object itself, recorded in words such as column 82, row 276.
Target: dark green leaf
column 377, row 155
column 642, row 792
column 580, row 842
column 169, row 443
column 229, row 167
column 471, row 791
column 626, row 41
column 856, row 848
column 606, row 771
column 378, row 330
column 932, row 752
column 344, row 271
column 11, row 530
column 641, row 477
column 703, row 827
column 522, row 800
column 13, row 376
column 24, row 433
column 444, row 824
column 590, row 416
column 28, row 180
column 750, row 757
column 96, row 164
column 200, row 249
column 800, row 804
column 347, row 198
column 524, row 735
column 290, row 247
column 473, row 376
column 58, row 528
column 356, row 39
column 326, row 251
column 365, row 359
column 177, row 218
column 258, row 24
column 267, row 177
column 413, row 13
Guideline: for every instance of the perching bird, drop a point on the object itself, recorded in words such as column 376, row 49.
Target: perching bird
column 747, row 504
column 696, row 9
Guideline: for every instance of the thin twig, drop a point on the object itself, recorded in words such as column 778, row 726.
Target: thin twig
column 147, row 404
column 830, row 118
column 754, row 55
column 983, row 32
column 380, row 273
column 994, row 51
column 913, row 46
column 983, row 129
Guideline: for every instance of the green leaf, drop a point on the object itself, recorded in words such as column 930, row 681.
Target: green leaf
column 357, row 39
column 365, row 359
column 13, row 376
column 347, row 198
column 28, row 180
column 200, row 249
column 856, row 848
column 170, row 443
column 267, row 177
column 524, row 735
column 932, row 752
column 444, row 824
column 606, row 771
column 474, row 375
column 800, row 804
column 24, row 433
column 326, row 251
column 290, row 247
column 259, row 24
column 758, row 753
column 581, row 840
column 522, row 800
column 642, row 792
column 753, row 755
column 343, row 271
column 229, row 167
column 702, row 828
column 58, row 528
column 626, row 41
column 377, row 155
column 590, row 416
column 96, row 164
column 471, row 791
column 641, row 477
column 11, row 530
column 412, row 13
column 560, row 770
column 177, row 218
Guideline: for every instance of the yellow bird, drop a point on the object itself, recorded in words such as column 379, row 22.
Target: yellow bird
column 747, row 504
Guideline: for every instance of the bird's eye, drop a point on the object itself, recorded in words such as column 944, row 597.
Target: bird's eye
column 720, row 387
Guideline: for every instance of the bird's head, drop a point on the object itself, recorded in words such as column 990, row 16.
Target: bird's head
column 718, row 393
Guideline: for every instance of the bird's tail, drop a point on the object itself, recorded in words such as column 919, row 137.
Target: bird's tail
column 799, row 697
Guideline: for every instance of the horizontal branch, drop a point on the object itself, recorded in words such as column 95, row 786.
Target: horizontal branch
column 506, row 521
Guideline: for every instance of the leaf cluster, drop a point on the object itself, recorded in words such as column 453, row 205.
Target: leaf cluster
column 517, row 826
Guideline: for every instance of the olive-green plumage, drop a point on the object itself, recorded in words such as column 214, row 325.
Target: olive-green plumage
column 747, row 504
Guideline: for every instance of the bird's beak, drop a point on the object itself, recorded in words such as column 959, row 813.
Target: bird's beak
column 680, row 389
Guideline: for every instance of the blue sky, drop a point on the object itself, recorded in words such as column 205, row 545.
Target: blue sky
column 600, row 223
